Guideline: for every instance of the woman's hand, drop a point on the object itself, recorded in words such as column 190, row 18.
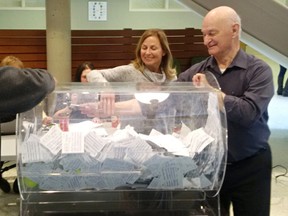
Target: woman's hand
column 102, row 109
column 61, row 113
column 90, row 109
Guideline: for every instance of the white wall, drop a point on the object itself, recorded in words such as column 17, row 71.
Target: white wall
column 22, row 19
column 118, row 15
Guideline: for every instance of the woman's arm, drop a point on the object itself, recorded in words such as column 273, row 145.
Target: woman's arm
column 107, row 107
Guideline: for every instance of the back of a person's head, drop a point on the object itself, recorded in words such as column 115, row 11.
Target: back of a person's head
column 12, row 61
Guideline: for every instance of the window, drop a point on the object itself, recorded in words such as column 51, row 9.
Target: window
column 22, row 4
column 283, row 2
column 157, row 5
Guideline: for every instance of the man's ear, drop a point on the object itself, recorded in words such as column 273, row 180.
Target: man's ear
column 235, row 30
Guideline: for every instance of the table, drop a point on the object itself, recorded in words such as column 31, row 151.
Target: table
column 8, row 147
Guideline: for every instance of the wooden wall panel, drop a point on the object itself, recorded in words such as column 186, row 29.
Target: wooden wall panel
column 105, row 48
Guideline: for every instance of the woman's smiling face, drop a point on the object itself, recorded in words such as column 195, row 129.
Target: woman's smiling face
column 152, row 53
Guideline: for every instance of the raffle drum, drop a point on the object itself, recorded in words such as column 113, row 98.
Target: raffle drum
column 123, row 149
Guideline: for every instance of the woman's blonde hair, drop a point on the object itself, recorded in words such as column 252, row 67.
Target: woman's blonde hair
column 167, row 60
column 12, row 61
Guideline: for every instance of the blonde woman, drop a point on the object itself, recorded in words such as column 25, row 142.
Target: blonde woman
column 153, row 62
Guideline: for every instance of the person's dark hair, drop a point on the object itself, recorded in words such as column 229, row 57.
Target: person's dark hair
column 81, row 68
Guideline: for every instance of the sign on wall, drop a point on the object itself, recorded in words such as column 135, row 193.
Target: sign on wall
column 97, row 11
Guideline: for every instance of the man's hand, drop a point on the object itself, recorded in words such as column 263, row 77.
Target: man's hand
column 200, row 80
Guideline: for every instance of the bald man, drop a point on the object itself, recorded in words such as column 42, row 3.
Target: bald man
column 246, row 90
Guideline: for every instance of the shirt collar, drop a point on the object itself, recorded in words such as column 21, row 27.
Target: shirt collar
column 239, row 61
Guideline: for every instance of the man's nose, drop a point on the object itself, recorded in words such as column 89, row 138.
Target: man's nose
column 206, row 40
